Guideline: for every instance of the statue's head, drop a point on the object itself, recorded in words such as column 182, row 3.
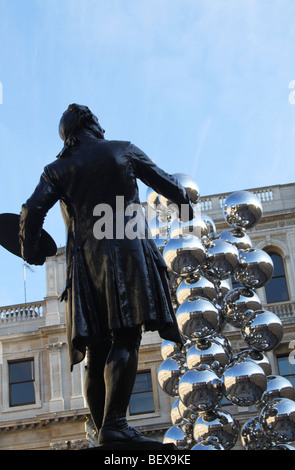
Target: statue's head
column 75, row 119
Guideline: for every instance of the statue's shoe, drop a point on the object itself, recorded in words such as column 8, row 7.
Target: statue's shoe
column 127, row 435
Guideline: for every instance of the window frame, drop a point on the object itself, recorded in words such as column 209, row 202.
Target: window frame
column 273, row 251
column 32, row 380
column 151, row 390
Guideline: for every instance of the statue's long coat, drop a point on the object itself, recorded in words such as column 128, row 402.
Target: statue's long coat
column 111, row 283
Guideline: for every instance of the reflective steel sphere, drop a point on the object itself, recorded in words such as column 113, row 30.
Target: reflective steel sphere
column 208, row 351
column 169, row 349
column 237, row 302
column 208, row 227
column 252, row 436
column 263, row 330
column 222, row 259
column 153, row 199
column 277, row 387
column 189, row 185
column 187, row 413
column 195, row 286
column 200, row 389
column 242, row 209
column 179, row 436
column 255, row 268
column 237, row 237
column 197, row 318
column 257, row 356
column 184, row 255
column 160, row 226
column 190, row 227
column 175, row 415
column 277, row 420
column 169, row 374
column 208, row 444
column 244, row 382
column 218, row 424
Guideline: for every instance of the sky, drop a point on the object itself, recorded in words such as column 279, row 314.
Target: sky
column 204, row 87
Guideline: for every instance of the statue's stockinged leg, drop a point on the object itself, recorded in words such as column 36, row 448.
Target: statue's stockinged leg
column 119, row 376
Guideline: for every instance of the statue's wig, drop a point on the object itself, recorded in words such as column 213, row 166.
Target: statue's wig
column 76, row 118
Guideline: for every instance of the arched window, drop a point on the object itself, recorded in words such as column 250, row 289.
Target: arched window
column 276, row 289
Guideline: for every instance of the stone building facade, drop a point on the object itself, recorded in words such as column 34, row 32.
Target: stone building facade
column 42, row 403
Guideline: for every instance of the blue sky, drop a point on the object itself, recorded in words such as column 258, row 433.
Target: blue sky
column 201, row 86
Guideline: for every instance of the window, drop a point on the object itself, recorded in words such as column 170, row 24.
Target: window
column 142, row 399
column 276, row 289
column 286, row 369
column 21, row 382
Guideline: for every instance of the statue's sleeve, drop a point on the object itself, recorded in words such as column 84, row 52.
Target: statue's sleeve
column 32, row 218
column 160, row 181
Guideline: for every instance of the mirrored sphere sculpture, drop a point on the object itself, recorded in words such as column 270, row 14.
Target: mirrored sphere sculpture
column 244, row 382
column 208, row 351
column 169, row 349
column 208, row 444
column 175, row 415
column 197, row 318
column 237, row 237
column 263, row 330
column 168, row 376
column 195, row 286
column 189, row 184
column 242, row 209
column 277, row 387
column 201, row 389
column 184, row 255
column 257, row 356
column 222, row 259
column 219, row 424
column 277, row 420
column 252, row 436
column 255, row 268
column 236, row 304
column 179, row 436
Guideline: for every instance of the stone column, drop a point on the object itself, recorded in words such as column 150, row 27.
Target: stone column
column 56, row 402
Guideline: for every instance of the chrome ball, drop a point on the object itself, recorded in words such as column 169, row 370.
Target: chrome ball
column 153, row 200
column 197, row 318
column 218, row 424
column 244, row 382
column 189, row 185
column 208, row 351
column 208, row 444
column 193, row 227
column 159, row 227
column 169, row 349
column 237, row 302
column 184, row 255
column 169, row 375
column 263, row 330
column 208, row 228
column 187, row 413
column 175, row 415
column 200, row 389
column 277, row 420
column 195, row 286
column 255, row 268
column 242, row 209
column 257, row 356
column 277, row 387
column 252, row 436
column 237, row 237
column 179, row 436
column 222, row 259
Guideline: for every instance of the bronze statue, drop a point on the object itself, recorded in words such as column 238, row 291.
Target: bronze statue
column 114, row 286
